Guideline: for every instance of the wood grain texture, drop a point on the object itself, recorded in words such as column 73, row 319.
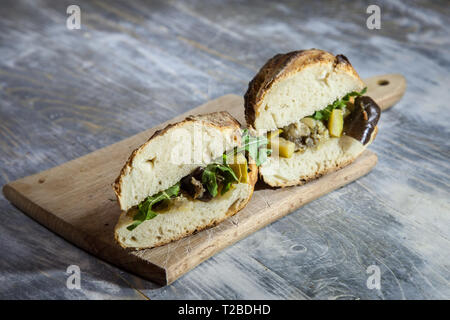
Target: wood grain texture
column 387, row 89
column 136, row 64
column 76, row 201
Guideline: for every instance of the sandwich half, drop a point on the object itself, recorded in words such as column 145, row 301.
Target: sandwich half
column 188, row 176
column 311, row 106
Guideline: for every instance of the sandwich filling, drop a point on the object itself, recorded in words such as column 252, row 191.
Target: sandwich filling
column 353, row 115
column 206, row 182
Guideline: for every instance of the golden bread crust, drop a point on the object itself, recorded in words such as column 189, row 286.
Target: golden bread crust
column 281, row 66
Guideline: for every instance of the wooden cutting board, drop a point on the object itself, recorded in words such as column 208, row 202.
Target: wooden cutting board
column 76, row 200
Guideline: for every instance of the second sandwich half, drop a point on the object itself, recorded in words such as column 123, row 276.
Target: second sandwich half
column 189, row 176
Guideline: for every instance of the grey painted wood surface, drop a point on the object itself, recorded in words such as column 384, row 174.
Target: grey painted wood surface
column 134, row 64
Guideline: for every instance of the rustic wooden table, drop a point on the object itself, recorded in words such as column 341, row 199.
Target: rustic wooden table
column 134, row 64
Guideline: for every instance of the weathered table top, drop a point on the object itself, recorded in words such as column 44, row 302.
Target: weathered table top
column 65, row 93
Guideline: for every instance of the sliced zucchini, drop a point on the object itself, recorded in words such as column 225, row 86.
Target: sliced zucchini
column 336, row 123
column 239, row 166
column 285, row 147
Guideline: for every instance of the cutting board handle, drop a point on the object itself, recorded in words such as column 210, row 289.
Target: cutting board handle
column 386, row 89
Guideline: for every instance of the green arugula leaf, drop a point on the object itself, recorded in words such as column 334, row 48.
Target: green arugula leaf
column 227, row 171
column 263, row 154
column 229, row 177
column 209, row 180
column 325, row 113
column 255, row 146
column 215, row 172
column 145, row 211
column 211, row 176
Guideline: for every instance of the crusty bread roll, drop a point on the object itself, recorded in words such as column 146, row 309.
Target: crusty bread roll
column 290, row 87
column 184, row 218
column 168, row 156
column 336, row 153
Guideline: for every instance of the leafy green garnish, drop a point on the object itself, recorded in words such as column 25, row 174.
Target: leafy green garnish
column 145, row 211
column 215, row 172
column 222, row 172
column 213, row 175
column 255, row 146
column 324, row 114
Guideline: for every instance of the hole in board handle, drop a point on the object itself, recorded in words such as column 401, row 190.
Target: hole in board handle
column 383, row 82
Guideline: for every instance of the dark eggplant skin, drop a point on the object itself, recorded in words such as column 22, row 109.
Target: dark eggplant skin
column 191, row 189
column 361, row 123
